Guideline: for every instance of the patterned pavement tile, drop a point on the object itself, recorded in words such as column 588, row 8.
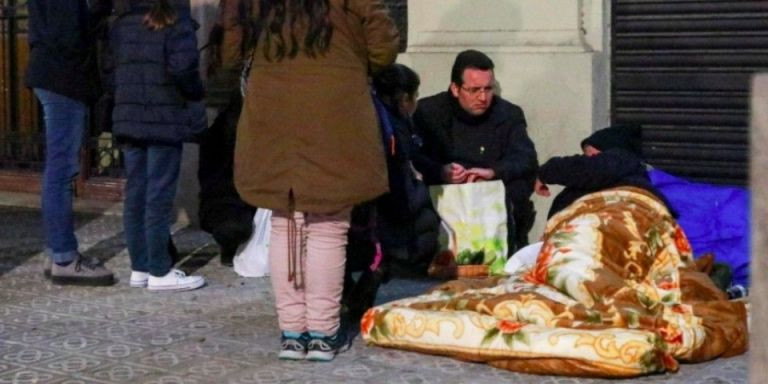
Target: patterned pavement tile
column 116, row 350
column 210, row 347
column 30, row 376
column 277, row 373
column 160, row 337
column 174, row 379
column 30, row 336
column 75, row 365
column 115, row 332
column 125, row 372
column 70, row 380
column 168, row 360
column 8, row 329
column 30, row 356
column 216, row 370
column 64, row 323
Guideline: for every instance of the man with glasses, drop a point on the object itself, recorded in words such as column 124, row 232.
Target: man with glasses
column 469, row 134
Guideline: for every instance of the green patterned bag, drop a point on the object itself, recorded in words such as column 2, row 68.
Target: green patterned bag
column 473, row 228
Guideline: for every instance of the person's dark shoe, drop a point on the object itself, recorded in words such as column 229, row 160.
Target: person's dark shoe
column 227, row 255
column 293, row 347
column 82, row 271
column 173, row 251
column 47, row 263
column 363, row 295
column 324, row 348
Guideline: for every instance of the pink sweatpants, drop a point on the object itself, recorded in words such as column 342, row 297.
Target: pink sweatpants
column 312, row 301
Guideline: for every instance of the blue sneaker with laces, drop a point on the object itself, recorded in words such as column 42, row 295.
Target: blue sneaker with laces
column 293, row 345
column 322, row 347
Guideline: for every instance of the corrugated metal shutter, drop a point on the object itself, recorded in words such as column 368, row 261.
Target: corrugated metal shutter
column 681, row 69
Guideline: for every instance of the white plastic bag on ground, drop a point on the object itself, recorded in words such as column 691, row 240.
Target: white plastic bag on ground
column 523, row 259
column 252, row 258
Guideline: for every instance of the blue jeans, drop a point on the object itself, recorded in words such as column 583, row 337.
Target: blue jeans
column 64, row 126
column 152, row 176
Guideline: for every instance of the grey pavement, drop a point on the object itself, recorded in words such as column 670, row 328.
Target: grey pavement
column 225, row 332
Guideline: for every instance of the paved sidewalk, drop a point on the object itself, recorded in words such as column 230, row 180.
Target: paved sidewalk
column 225, row 332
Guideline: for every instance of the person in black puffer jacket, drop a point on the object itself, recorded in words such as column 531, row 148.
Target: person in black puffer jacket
column 157, row 90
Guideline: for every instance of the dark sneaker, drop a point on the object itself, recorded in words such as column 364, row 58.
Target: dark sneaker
column 47, row 262
column 325, row 348
column 81, row 271
column 292, row 347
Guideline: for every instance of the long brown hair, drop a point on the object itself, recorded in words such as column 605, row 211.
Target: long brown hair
column 160, row 15
column 273, row 14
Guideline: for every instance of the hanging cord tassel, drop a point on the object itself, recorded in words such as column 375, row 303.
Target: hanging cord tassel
column 295, row 265
column 303, row 235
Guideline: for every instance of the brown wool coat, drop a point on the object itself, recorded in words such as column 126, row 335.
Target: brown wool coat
column 308, row 124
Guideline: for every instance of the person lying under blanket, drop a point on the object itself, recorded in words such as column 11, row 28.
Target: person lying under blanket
column 614, row 291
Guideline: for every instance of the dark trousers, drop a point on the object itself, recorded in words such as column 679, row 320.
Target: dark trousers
column 152, row 176
column 520, row 220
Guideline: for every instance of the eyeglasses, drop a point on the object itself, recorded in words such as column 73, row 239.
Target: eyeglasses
column 474, row 91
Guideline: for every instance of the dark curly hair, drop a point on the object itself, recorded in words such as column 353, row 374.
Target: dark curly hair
column 274, row 14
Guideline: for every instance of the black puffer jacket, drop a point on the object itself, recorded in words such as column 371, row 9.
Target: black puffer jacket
column 157, row 82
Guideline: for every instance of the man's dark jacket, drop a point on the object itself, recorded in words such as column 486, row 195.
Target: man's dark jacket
column 62, row 56
column 498, row 140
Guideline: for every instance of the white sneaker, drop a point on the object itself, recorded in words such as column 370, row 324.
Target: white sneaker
column 139, row 279
column 175, row 280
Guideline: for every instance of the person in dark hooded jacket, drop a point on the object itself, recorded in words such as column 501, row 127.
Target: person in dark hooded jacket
column 612, row 158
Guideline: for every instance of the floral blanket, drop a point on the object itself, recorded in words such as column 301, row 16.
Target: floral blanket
column 614, row 293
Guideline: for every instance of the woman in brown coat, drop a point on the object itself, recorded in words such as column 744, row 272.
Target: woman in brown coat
column 309, row 148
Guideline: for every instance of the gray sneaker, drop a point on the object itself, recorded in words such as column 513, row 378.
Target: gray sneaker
column 82, row 271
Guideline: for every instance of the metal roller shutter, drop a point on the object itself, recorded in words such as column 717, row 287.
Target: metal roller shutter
column 681, row 69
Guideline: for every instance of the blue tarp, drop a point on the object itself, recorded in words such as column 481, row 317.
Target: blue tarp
column 715, row 218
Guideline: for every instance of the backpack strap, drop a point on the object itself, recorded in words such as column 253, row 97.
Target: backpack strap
column 387, row 131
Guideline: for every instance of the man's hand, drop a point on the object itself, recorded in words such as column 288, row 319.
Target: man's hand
column 540, row 188
column 480, row 174
column 454, row 173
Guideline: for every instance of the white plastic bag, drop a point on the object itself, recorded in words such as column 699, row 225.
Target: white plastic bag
column 523, row 259
column 252, row 258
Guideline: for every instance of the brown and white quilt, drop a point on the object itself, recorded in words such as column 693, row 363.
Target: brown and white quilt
column 614, row 293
